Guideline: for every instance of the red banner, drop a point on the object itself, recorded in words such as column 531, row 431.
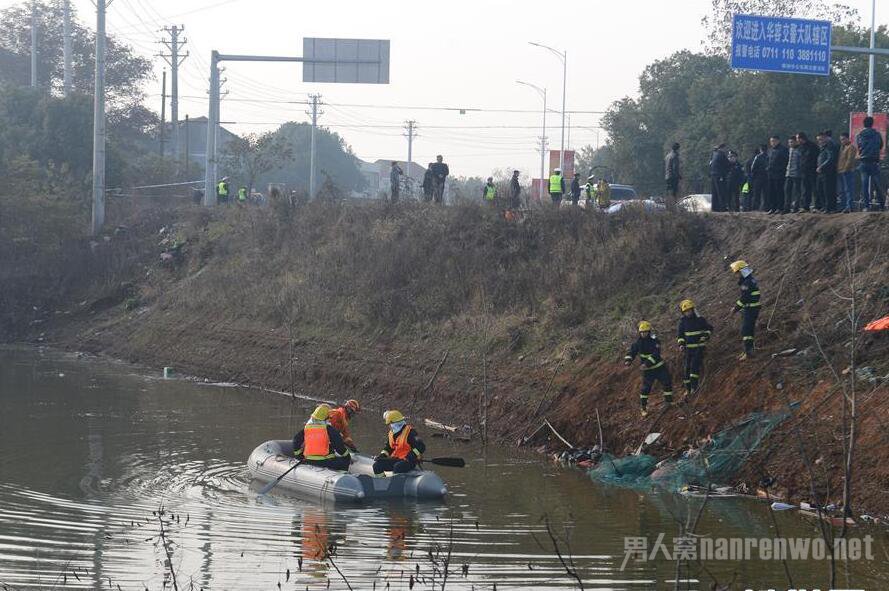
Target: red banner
column 881, row 124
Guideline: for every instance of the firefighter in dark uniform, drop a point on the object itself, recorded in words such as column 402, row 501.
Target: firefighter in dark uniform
column 654, row 368
column 693, row 333
column 748, row 304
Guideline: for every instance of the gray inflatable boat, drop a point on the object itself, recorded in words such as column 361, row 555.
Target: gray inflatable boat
column 273, row 458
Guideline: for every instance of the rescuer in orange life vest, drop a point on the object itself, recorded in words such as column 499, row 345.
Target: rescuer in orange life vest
column 319, row 444
column 339, row 419
column 403, row 449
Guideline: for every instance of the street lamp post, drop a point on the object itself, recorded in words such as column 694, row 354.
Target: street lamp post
column 563, row 55
column 542, row 92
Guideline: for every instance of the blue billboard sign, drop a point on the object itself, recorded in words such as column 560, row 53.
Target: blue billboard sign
column 777, row 44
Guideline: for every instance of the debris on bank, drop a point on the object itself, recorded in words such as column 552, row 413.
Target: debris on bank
column 718, row 460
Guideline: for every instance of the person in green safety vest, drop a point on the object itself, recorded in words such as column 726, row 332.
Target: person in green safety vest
column 489, row 191
column 222, row 190
column 589, row 190
column 556, row 186
column 242, row 195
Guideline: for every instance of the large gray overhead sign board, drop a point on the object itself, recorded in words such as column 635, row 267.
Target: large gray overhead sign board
column 351, row 61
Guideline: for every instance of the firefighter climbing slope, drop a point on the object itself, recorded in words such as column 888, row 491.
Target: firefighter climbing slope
column 748, row 304
column 654, row 368
column 693, row 333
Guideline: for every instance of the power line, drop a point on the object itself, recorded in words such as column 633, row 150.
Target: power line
column 403, row 107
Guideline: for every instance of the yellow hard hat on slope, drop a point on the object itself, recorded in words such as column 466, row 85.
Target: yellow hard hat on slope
column 322, row 411
column 645, row 326
column 686, row 305
column 738, row 265
column 392, row 416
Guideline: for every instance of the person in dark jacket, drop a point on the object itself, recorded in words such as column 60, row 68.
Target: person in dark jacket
column 575, row 189
column 395, row 174
column 428, row 184
column 808, row 161
column 776, row 170
column 672, row 173
column 693, row 333
column 440, row 172
column 826, row 184
column 870, row 144
column 320, row 444
column 403, row 449
column 793, row 183
column 515, row 191
column 719, row 167
column 734, row 181
column 654, row 368
column 758, row 180
column 748, row 304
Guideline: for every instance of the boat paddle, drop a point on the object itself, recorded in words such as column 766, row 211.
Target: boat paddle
column 451, row 462
column 275, row 482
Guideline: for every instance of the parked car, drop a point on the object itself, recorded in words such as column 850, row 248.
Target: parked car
column 647, row 204
column 623, row 195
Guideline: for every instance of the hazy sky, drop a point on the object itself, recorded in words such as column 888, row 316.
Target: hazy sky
column 444, row 54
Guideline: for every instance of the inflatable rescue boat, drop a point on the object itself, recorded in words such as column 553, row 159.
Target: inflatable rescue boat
column 273, row 458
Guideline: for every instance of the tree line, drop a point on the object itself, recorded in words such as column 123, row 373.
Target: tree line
column 46, row 138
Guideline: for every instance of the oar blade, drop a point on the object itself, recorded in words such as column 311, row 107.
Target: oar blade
column 275, row 482
column 269, row 486
column 450, row 462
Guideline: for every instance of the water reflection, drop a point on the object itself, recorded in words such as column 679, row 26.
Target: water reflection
column 83, row 509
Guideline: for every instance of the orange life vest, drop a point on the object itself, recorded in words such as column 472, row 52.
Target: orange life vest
column 400, row 447
column 316, row 442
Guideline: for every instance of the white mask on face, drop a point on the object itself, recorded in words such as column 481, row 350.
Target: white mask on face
column 397, row 426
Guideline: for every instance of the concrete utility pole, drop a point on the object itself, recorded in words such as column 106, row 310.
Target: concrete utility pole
column 212, row 121
column 175, row 60
column 33, row 44
column 98, row 218
column 316, row 98
column 66, row 31
column 163, row 114
column 411, row 128
column 872, row 59
column 187, row 150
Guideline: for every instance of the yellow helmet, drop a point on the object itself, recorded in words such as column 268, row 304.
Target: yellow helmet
column 392, row 416
column 645, row 326
column 322, row 411
column 738, row 265
column 686, row 305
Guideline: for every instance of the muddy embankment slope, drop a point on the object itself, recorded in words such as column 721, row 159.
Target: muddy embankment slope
column 526, row 320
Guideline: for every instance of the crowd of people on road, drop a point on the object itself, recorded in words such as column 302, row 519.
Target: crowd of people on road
column 692, row 336
column 326, row 441
column 795, row 175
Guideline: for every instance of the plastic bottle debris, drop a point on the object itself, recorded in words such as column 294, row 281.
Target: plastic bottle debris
column 776, row 506
column 168, row 372
column 652, row 437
